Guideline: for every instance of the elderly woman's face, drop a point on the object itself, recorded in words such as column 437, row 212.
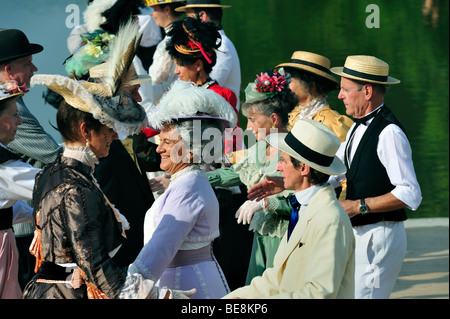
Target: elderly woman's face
column 259, row 124
column 174, row 154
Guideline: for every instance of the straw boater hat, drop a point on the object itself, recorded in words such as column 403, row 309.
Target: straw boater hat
column 152, row 3
column 367, row 69
column 311, row 62
column 312, row 143
column 15, row 44
column 202, row 4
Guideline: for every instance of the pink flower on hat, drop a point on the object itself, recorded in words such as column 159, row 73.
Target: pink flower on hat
column 270, row 84
column 12, row 87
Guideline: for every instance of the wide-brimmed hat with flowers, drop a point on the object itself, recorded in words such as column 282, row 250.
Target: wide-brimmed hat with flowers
column 202, row 4
column 11, row 89
column 312, row 63
column 106, row 99
column 120, row 112
column 367, row 69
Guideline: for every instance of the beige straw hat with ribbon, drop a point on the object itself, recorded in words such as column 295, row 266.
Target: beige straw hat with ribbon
column 310, row 62
column 121, row 113
column 313, row 143
column 367, row 69
column 202, row 4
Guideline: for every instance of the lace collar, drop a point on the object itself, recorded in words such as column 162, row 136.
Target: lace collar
column 188, row 170
column 82, row 154
column 310, row 109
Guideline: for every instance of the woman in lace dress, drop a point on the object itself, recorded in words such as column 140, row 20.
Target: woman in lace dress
column 268, row 103
column 183, row 222
column 78, row 230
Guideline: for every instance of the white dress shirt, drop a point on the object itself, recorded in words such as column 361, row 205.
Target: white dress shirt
column 394, row 152
column 227, row 71
column 16, row 186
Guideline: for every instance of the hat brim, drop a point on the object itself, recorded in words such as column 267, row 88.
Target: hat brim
column 33, row 48
column 142, row 78
column 312, row 70
column 225, row 122
column 337, row 167
column 12, row 96
column 339, row 70
column 182, row 9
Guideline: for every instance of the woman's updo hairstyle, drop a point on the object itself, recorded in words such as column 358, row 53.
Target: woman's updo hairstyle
column 192, row 39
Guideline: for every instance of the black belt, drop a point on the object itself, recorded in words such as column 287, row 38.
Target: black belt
column 6, row 218
column 51, row 271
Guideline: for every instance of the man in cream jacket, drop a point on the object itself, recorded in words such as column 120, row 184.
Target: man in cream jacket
column 316, row 256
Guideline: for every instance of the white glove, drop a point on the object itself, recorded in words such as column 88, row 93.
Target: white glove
column 176, row 294
column 248, row 209
column 137, row 287
column 123, row 219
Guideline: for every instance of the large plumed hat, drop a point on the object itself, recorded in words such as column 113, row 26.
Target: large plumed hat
column 120, row 113
column 367, row 69
column 14, row 44
column 106, row 99
column 184, row 100
column 312, row 143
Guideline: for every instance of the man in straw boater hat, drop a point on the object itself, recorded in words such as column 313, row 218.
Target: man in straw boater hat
column 16, row 185
column 316, row 256
column 381, row 180
column 32, row 143
column 227, row 71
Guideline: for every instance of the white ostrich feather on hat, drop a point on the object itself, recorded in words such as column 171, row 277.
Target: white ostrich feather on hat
column 185, row 100
column 93, row 14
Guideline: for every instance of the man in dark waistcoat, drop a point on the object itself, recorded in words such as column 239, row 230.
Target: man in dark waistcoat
column 381, row 180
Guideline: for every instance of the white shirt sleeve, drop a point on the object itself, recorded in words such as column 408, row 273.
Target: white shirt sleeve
column 16, row 182
column 394, row 152
column 22, row 213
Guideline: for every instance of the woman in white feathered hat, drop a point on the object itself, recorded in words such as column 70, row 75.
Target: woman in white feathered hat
column 183, row 222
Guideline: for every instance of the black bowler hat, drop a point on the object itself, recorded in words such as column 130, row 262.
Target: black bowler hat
column 14, row 44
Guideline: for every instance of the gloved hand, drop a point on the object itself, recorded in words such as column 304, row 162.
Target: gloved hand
column 137, row 287
column 176, row 294
column 248, row 209
column 159, row 184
